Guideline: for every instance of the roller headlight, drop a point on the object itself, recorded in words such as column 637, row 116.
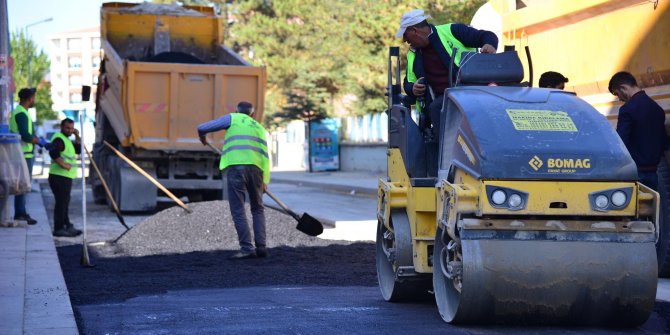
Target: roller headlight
column 515, row 200
column 602, row 201
column 501, row 197
column 613, row 199
column 619, row 198
column 498, row 197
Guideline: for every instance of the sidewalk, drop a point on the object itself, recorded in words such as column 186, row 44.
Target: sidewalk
column 33, row 295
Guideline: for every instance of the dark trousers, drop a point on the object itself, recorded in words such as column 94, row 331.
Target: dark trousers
column 20, row 200
column 435, row 108
column 242, row 180
column 649, row 179
column 61, row 187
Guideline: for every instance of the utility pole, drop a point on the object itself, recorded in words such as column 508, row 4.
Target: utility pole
column 7, row 139
column 5, row 98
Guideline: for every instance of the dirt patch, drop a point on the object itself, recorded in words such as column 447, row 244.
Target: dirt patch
column 173, row 250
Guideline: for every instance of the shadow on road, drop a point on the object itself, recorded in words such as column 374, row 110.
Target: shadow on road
column 116, row 279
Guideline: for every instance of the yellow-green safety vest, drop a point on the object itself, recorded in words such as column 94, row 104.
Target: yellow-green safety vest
column 245, row 144
column 69, row 156
column 26, row 147
column 449, row 42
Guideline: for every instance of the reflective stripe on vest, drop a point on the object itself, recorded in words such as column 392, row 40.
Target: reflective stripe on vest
column 448, row 42
column 26, row 147
column 69, row 156
column 245, row 144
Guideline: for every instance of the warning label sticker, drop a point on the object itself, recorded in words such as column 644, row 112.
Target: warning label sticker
column 541, row 120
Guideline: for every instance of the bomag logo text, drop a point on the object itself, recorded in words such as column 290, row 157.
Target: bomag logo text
column 568, row 163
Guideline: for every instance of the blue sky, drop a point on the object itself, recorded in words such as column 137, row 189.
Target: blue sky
column 67, row 15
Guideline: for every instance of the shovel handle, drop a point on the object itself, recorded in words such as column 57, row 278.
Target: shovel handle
column 215, row 149
column 283, row 206
column 149, row 177
column 104, row 185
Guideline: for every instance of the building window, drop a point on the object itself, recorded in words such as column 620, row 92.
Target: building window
column 95, row 43
column 95, row 63
column 75, row 98
column 74, row 44
column 58, row 59
column 95, row 80
column 75, row 81
column 75, row 62
column 56, row 43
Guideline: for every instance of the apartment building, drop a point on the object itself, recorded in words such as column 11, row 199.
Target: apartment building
column 75, row 61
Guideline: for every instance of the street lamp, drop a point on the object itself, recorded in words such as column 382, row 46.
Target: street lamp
column 30, row 76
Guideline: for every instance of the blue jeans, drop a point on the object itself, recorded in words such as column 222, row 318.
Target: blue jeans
column 20, row 200
column 649, row 179
column 247, row 179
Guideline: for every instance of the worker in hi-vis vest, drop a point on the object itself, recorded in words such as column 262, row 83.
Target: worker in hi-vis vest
column 62, row 171
column 21, row 123
column 430, row 55
column 244, row 157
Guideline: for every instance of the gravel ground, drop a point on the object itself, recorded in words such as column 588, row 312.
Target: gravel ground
column 173, row 250
column 209, row 227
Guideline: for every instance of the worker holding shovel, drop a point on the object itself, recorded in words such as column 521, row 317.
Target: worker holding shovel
column 245, row 158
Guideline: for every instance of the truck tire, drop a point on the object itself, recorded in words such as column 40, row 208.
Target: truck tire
column 663, row 244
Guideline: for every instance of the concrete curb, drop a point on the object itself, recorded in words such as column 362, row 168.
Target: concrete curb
column 328, row 186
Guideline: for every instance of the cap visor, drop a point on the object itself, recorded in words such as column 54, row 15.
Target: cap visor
column 400, row 32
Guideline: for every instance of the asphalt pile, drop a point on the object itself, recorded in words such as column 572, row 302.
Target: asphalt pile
column 209, row 227
column 160, row 9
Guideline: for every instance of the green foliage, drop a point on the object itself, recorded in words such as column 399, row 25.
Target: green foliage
column 317, row 52
column 22, row 49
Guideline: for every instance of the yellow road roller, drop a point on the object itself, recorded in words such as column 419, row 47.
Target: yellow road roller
column 524, row 209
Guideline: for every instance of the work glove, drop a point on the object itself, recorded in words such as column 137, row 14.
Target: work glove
column 42, row 142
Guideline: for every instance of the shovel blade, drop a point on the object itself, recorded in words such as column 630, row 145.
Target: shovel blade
column 309, row 225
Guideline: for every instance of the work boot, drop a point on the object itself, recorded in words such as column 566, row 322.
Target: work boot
column 262, row 252
column 63, row 232
column 26, row 218
column 73, row 230
column 243, row 255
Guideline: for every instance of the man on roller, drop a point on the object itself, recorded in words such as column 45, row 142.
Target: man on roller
column 430, row 55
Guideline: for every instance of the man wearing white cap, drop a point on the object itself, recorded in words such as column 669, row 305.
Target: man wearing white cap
column 430, row 55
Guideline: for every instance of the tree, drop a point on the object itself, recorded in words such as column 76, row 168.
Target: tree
column 319, row 51
column 22, row 48
column 306, row 61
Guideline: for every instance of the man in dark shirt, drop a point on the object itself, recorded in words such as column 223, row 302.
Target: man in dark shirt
column 21, row 123
column 62, row 171
column 551, row 79
column 641, row 126
column 430, row 56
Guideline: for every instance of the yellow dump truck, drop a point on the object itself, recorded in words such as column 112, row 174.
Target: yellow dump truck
column 165, row 71
column 588, row 41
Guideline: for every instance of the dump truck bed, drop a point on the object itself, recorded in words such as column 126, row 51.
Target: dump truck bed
column 154, row 98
